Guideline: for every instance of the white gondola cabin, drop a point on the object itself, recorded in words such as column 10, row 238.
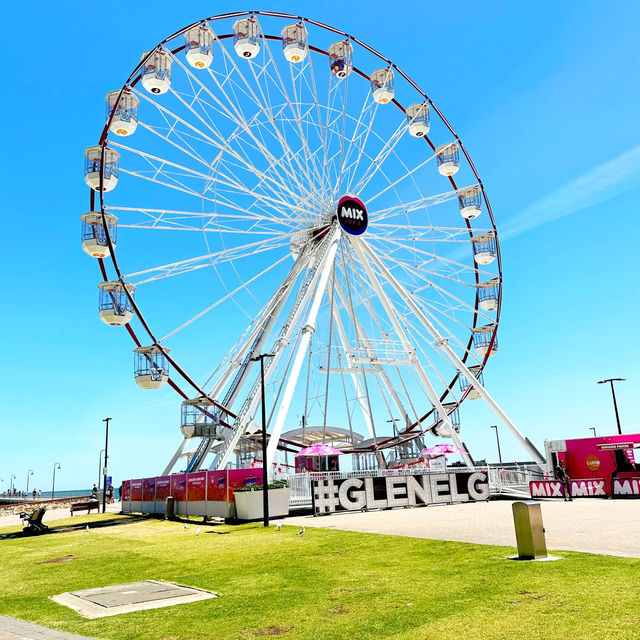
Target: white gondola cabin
column 94, row 237
column 151, row 369
column 295, row 42
column 418, row 119
column 448, row 159
column 156, row 72
column 382, row 85
column 93, row 165
column 441, row 428
column 125, row 112
column 245, row 38
column 198, row 418
column 482, row 338
column 484, row 247
column 488, row 294
column 114, row 304
column 470, row 202
column 198, row 47
column 464, row 384
column 341, row 58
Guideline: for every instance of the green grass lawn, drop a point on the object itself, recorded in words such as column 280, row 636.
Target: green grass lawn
column 326, row 584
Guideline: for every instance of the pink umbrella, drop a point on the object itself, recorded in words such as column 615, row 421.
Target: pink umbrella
column 441, row 449
column 319, row 450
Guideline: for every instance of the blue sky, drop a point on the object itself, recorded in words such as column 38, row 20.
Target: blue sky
column 545, row 98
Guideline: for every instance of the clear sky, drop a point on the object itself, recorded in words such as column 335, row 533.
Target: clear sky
column 546, row 99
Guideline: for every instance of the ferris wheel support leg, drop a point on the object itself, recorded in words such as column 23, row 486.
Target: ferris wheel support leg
column 174, row 458
column 443, row 344
column 354, row 376
column 360, row 249
column 307, row 330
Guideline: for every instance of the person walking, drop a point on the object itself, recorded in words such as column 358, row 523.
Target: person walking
column 563, row 476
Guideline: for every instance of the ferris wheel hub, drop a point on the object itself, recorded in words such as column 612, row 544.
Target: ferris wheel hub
column 352, row 215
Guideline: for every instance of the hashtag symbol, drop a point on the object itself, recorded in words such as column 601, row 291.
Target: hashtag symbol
column 326, row 496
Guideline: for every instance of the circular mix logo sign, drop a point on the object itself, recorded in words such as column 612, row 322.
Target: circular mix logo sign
column 593, row 462
column 352, row 215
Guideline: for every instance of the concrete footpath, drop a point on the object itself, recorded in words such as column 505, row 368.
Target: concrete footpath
column 12, row 629
column 53, row 514
column 608, row 527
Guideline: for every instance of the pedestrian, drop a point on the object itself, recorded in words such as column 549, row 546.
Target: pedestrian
column 39, row 493
column 95, row 489
column 110, row 492
column 563, row 476
column 34, row 494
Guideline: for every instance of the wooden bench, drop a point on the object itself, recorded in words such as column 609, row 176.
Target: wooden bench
column 85, row 506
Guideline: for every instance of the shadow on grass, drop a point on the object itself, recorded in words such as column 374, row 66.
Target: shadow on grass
column 99, row 524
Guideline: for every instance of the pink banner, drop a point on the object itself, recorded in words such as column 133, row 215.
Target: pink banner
column 163, row 487
column 547, row 489
column 126, row 490
column 196, row 486
column 149, row 489
column 217, row 486
column 178, row 487
column 243, row 478
column 136, row 490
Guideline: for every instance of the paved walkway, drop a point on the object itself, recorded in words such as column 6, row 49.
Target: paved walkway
column 12, row 629
column 608, row 527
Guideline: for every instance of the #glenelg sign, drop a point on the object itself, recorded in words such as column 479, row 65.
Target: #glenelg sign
column 381, row 492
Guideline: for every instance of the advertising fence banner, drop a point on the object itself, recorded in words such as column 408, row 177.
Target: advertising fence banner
column 378, row 492
column 626, row 487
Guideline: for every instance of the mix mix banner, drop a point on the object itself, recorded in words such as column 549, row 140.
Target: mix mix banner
column 358, row 493
column 587, row 488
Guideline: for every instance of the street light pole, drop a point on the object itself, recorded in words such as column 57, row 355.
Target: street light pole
column 495, row 426
column 29, row 473
column 613, row 393
column 104, row 469
column 594, row 431
column 100, row 467
column 265, row 474
column 53, row 485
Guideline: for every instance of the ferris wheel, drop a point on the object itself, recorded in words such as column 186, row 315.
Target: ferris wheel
column 267, row 185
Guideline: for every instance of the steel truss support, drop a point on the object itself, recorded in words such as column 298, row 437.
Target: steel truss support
column 328, row 249
column 443, row 344
column 386, row 303
column 307, row 330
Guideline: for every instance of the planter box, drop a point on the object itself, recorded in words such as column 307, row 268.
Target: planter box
column 249, row 503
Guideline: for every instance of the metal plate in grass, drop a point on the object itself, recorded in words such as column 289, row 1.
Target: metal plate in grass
column 133, row 596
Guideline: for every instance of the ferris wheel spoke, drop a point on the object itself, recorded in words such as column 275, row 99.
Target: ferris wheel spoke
column 263, row 104
column 208, row 260
column 220, row 144
column 406, row 175
column 154, row 217
column 379, row 160
column 317, row 177
column 403, row 208
column 224, row 298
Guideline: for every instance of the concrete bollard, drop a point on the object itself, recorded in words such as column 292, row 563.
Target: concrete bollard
column 527, row 518
column 169, row 505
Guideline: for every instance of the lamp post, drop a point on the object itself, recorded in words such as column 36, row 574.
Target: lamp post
column 265, row 475
column 100, row 467
column 29, row 473
column 104, row 469
column 613, row 393
column 11, row 483
column 594, row 431
column 495, row 426
column 53, row 485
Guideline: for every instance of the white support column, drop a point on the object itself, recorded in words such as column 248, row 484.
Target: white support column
column 174, row 459
column 386, row 303
column 307, row 330
column 443, row 344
